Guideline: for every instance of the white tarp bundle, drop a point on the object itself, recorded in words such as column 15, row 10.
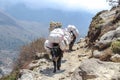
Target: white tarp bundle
column 73, row 29
column 63, row 45
column 56, row 36
column 61, row 36
column 67, row 37
column 47, row 45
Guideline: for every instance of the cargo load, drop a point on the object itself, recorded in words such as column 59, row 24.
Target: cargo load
column 56, row 36
column 67, row 37
column 73, row 29
column 47, row 45
column 63, row 45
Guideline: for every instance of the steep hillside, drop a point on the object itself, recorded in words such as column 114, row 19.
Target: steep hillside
column 104, row 35
column 14, row 33
column 102, row 23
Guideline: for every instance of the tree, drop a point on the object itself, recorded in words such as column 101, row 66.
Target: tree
column 118, row 2
column 114, row 2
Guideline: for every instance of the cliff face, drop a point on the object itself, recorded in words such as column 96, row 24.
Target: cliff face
column 103, row 32
column 103, row 39
column 103, row 22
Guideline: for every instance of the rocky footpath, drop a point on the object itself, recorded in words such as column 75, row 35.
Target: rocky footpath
column 42, row 69
column 76, row 65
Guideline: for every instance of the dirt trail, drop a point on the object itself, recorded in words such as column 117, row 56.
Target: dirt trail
column 70, row 61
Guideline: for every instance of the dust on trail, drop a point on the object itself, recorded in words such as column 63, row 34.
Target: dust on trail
column 70, row 61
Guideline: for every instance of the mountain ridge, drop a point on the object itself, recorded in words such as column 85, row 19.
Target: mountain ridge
column 22, row 31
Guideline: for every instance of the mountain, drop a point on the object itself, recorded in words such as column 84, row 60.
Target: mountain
column 15, row 33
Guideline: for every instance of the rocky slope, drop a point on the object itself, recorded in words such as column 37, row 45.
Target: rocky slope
column 102, row 42
column 102, row 23
column 76, row 65
column 104, row 34
column 42, row 69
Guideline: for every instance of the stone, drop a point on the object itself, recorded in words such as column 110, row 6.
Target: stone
column 107, row 38
column 94, row 69
column 115, row 58
column 29, row 75
column 96, row 53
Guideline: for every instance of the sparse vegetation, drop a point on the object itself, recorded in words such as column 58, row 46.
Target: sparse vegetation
column 95, row 29
column 115, row 46
column 27, row 54
column 97, row 21
column 13, row 76
column 113, row 2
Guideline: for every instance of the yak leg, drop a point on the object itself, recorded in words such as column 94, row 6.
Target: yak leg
column 54, row 63
column 59, row 63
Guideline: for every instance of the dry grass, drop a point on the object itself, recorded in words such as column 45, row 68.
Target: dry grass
column 28, row 52
column 105, row 56
column 115, row 46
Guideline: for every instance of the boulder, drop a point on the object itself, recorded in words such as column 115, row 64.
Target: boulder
column 97, row 53
column 94, row 69
column 115, row 58
column 104, row 55
column 116, row 17
column 117, row 32
column 29, row 75
column 106, row 40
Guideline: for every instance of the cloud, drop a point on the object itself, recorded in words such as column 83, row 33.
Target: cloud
column 66, row 5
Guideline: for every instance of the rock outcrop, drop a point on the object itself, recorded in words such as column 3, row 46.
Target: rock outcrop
column 106, row 40
column 103, row 35
column 94, row 69
column 103, row 40
column 101, row 24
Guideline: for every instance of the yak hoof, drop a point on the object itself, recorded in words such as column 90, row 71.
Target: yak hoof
column 54, row 71
column 58, row 68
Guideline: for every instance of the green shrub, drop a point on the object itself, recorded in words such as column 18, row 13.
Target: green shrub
column 115, row 46
column 13, row 76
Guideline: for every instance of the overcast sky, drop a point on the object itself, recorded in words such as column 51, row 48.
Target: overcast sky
column 91, row 6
